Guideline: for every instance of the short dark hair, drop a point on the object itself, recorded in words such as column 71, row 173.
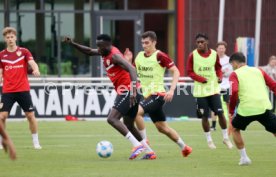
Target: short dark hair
column 222, row 43
column 104, row 37
column 238, row 56
column 203, row 35
column 150, row 34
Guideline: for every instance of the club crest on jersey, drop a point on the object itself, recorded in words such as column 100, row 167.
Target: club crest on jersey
column 18, row 53
column 108, row 62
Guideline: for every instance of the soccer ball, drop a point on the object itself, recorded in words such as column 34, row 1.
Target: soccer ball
column 104, row 149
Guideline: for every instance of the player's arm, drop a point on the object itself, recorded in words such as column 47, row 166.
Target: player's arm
column 84, row 49
column 269, row 81
column 218, row 69
column 234, row 92
column 175, row 76
column 119, row 60
column 1, row 75
column 7, row 143
column 34, row 67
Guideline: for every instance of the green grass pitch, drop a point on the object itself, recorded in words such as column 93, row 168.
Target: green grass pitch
column 69, row 151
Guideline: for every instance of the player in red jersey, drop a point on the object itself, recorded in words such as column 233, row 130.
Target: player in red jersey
column 123, row 76
column 14, row 61
column 7, row 143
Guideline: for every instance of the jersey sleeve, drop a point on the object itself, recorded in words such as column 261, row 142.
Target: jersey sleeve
column 234, row 92
column 164, row 60
column 1, row 66
column 28, row 55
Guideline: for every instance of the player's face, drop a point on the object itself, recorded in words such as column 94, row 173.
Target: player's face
column 235, row 65
column 272, row 62
column 10, row 39
column 221, row 49
column 201, row 44
column 148, row 44
column 104, row 48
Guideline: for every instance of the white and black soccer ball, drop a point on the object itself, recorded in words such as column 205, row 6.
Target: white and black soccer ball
column 104, row 149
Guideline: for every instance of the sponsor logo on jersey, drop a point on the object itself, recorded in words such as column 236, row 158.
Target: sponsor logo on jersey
column 13, row 67
column 19, row 53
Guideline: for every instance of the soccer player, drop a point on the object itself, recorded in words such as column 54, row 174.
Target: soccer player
column 123, row 76
column 249, row 86
column 224, row 85
column 151, row 65
column 7, row 143
column 14, row 61
column 205, row 69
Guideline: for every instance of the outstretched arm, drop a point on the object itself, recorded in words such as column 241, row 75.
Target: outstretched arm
column 84, row 49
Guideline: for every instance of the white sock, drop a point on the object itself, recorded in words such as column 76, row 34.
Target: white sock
column 181, row 143
column 143, row 133
column 132, row 139
column 0, row 139
column 145, row 144
column 225, row 134
column 35, row 138
column 243, row 153
column 208, row 136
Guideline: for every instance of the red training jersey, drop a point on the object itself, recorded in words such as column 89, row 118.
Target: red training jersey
column 14, row 66
column 190, row 67
column 118, row 76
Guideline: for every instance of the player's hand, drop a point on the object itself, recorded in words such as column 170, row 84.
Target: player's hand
column 128, row 55
column 36, row 73
column 169, row 96
column 9, row 148
column 67, row 39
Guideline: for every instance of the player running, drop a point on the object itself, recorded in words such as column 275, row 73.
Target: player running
column 124, row 78
column 14, row 61
column 249, row 86
column 151, row 65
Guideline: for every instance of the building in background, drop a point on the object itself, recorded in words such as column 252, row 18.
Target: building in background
column 43, row 23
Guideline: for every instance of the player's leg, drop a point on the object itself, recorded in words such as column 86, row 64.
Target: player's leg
column 215, row 104
column 7, row 142
column 240, row 123
column 121, row 108
column 268, row 120
column 214, row 121
column 25, row 101
column 203, row 113
column 129, row 122
column 140, row 124
column 163, row 127
column 33, row 129
column 7, row 101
